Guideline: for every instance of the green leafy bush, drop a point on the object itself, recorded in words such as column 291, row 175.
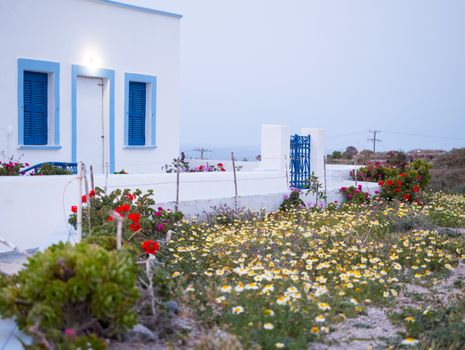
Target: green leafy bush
column 49, row 169
column 374, row 172
column 70, row 295
column 141, row 220
column 292, row 201
column 355, row 195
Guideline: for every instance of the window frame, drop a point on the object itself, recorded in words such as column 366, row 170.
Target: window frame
column 150, row 115
column 52, row 69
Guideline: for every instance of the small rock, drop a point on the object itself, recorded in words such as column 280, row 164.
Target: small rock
column 140, row 331
column 173, row 306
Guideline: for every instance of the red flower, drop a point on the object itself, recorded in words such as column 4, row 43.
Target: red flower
column 399, row 183
column 222, row 169
column 131, row 197
column 110, row 218
column 84, row 199
column 135, row 226
column 220, row 165
column 390, row 182
column 397, row 190
column 150, row 246
column 416, row 189
column 123, row 208
column 91, row 193
column 381, row 183
column 74, row 209
column 406, row 197
column 134, row 217
column 402, row 175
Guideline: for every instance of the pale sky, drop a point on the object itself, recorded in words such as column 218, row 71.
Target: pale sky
column 344, row 65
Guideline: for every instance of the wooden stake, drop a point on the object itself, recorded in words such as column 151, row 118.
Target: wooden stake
column 176, row 205
column 119, row 229
column 106, row 177
column 355, row 173
column 91, row 169
column 326, row 194
column 79, row 206
column 86, row 187
column 235, row 180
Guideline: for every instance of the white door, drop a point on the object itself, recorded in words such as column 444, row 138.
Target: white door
column 91, row 133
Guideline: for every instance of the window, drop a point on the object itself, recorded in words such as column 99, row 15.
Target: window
column 38, row 104
column 137, row 111
column 140, row 111
column 35, row 108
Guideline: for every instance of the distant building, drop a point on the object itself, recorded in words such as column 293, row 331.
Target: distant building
column 425, row 154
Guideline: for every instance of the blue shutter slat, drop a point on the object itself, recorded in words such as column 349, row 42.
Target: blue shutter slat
column 35, row 108
column 137, row 111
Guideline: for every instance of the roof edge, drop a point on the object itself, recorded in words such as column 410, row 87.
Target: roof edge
column 139, row 8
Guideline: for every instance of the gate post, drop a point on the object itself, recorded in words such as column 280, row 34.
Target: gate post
column 317, row 150
column 275, row 145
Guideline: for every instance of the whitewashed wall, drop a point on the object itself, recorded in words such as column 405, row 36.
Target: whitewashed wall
column 121, row 39
column 35, row 208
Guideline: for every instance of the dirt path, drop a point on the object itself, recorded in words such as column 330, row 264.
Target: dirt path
column 375, row 331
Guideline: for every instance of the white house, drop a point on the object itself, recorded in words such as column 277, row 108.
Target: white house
column 89, row 80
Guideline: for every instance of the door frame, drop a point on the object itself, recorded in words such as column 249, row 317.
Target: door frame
column 86, row 72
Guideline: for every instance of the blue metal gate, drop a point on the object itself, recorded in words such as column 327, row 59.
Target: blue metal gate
column 300, row 161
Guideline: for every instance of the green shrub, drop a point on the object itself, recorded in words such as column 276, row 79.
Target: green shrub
column 355, row 195
column 141, row 220
column 72, row 294
column 451, row 160
column 292, row 201
column 448, row 180
column 49, row 169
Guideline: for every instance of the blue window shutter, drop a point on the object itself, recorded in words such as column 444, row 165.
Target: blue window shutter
column 35, row 108
column 137, row 108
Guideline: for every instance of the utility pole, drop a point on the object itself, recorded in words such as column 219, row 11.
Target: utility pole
column 202, row 151
column 374, row 139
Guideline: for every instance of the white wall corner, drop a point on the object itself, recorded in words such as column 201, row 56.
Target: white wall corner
column 275, row 147
column 317, row 149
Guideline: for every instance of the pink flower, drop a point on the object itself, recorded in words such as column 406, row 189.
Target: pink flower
column 160, row 227
column 70, row 332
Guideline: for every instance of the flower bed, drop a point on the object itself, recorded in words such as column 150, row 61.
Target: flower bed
column 280, row 280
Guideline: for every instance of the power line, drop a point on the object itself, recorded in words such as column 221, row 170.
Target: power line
column 374, row 139
column 422, row 135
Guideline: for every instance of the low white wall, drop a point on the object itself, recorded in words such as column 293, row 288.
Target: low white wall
column 35, row 209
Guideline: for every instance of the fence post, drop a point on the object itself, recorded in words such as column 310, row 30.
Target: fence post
column 119, row 231
column 326, row 193
column 106, row 177
column 91, row 169
column 176, row 205
column 355, row 173
column 235, row 180
column 79, row 206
